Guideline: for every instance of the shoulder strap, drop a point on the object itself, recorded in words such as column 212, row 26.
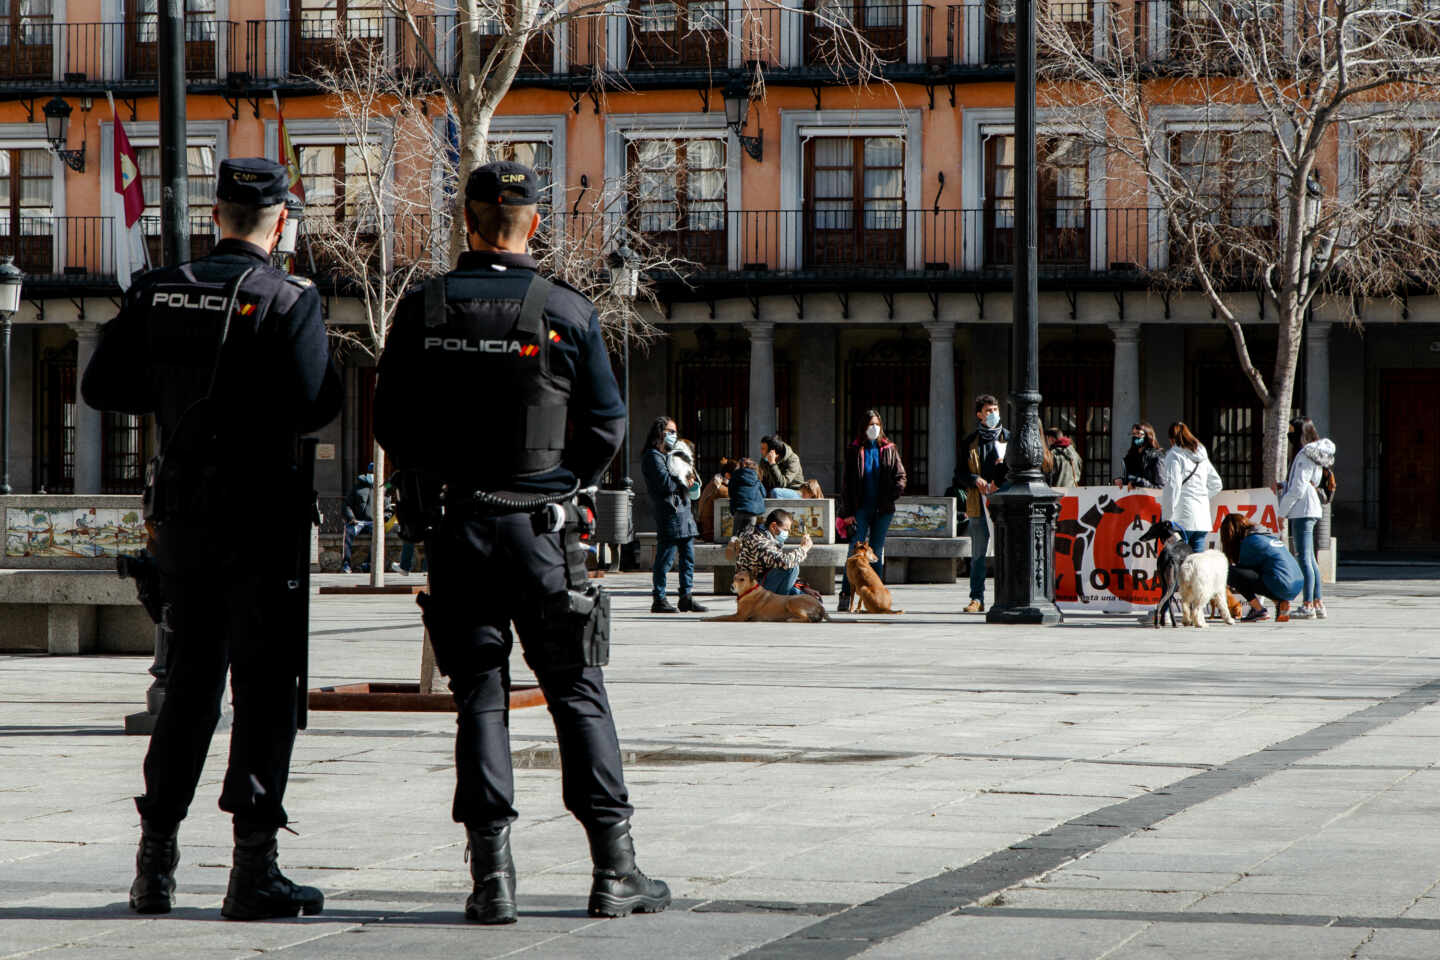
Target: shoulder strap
column 1191, row 473
column 224, row 325
column 435, row 301
column 532, row 316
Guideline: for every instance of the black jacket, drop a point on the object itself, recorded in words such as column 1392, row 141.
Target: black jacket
column 443, row 426
column 275, row 377
column 669, row 498
column 1142, row 466
column 357, row 503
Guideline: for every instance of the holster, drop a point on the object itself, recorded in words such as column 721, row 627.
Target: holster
column 577, row 619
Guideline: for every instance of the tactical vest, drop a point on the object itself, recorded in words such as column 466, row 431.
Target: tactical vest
column 492, row 364
column 190, row 323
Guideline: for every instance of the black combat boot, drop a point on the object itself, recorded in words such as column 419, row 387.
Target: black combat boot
column 661, row 605
column 154, row 888
column 620, row 888
column 493, row 871
column 688, row 605
column 258, row 890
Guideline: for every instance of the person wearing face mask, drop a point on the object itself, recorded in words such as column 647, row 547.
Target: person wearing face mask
column 675, row 526
column 762, row 552
column 873, row 479
column 984, row 471
column 1142, row 460
column 1190, row 483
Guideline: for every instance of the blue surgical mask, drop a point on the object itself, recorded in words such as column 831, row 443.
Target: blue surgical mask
column 1137, row 440
column 670, row 439
column 992, row 420
column 782, row 536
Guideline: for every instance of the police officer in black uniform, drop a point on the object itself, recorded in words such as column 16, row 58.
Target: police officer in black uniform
column 231, row 357
column 481, row 373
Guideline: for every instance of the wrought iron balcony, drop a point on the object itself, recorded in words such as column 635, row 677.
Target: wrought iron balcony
column 44, row 55
column 60, row 251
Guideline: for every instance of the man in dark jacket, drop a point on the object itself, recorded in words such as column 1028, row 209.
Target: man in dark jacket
column 495, row 381
column 747, row 497
column 230, row 328
column 356, row 513
column 675, row 527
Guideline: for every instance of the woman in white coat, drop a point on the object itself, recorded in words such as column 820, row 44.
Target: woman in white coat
column 1300, row 505
column 1187, row 482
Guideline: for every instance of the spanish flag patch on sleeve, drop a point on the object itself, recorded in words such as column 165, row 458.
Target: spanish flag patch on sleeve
column 554, row 337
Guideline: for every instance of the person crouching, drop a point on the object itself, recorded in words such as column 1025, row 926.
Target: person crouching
column 762, row 552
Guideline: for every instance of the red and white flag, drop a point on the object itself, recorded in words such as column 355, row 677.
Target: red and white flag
column 131, row 256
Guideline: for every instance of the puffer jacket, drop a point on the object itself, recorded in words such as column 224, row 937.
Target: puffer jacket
column 785, row 471
column 1267, row 554
column 1300, row 497
column 1187, row 483
column 747, row 495
column 669, row 498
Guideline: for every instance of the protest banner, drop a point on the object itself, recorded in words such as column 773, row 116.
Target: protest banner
column 1101, row 565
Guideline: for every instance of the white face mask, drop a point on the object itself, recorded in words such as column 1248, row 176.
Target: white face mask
column 873, row 432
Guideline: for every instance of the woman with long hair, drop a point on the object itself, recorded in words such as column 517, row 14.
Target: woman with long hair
column 1142, row 459
column 1260, row 566
column 1188, row 482
column 873, row 479
column 675, row 529
column 1301, row 506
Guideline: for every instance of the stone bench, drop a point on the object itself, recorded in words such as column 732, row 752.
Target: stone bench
column 822, row 564
column 70, row 612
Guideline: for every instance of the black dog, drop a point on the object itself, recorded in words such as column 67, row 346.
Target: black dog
column 1167, row 565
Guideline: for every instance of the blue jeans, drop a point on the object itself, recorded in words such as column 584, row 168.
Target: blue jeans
column 353, row 530
column 781, row 581
column 783, row 493
column 979, row 543
column 874, row 528
column 1196, row 539
column 1302, row 529
column 665, row 554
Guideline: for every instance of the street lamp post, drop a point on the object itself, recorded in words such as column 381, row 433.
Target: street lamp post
column 174, row 160
column 1024, row 510
column 11, row 280
column 625, row 281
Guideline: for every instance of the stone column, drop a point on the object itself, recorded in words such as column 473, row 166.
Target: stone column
column 1317, row 373
column 1125, row 394
column 762, row 383
column 942, row 405
column 87, row 419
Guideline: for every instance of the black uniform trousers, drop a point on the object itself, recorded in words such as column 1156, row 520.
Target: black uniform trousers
column 227, row 617
column 484, row 574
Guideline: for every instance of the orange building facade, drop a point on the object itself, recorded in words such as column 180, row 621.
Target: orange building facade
column 846, row 248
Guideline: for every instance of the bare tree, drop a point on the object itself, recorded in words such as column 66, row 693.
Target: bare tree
column 377, row 235
column 1231, row 119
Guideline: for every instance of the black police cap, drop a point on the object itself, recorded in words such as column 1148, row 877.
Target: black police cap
column 503, row 182
column 253, row 181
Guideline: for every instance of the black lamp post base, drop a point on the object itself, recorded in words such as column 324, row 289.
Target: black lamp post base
column 1024, row 513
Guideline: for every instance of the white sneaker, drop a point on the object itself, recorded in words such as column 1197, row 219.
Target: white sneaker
column 395, row 567
column 1319, row 610
column 1302, row 613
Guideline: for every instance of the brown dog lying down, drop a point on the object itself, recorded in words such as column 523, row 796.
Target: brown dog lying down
column 756, row 604
column 867, row 593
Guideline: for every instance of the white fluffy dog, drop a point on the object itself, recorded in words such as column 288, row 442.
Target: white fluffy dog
column 681, row 461
column 1202, row 579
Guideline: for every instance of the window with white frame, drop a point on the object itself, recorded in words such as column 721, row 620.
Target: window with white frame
column 678, row 200
column 1400, row 161
column 1231, row 173
column 1062, row 199
column 27, row 196
column 200, row 173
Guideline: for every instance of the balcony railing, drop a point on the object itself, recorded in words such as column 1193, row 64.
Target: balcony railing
column 117, row 55
column 1183, row 32
column 1074, row 242
column 202, row 237
column 983, row 34
column 49, row 249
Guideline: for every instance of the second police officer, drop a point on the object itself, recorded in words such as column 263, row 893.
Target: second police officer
column 482, row 373
column 231, row 357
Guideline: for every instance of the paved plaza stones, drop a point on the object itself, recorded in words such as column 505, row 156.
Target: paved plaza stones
column 912, row 787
